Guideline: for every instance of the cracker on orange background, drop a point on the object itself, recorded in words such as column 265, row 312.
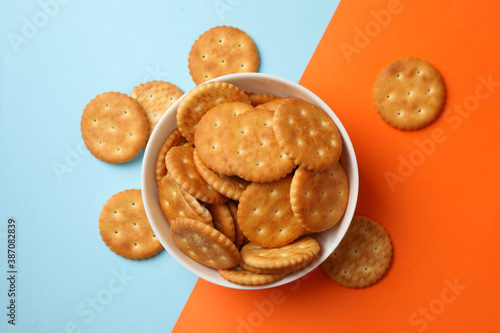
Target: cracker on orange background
column 251, row 150
column 176, row 202
column 307, row 134
column 239, row 275
column 180, row 165
column 174, row 139
column 223, row 220
column 265, row 214
column 319, row 198
column 222, row 50
column 208, row 136
column 301, row 250
column 124, row 226
column 362, row 257
column 409, row 93
column 204, row 243
column 229, row 186
column 114, row 127
column 201, row 99
column 155, row 97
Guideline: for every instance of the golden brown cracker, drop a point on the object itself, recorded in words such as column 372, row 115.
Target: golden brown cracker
column 223, row 220
column 319, row 198
column 265, row 214
column 258, row 99
column 301, row 250
column 240, row 276
column 114, row 127
column 229, row 186
column 409, row 93
column 239, row 238
column 180, row 165
column 362, row 257
column 204, row 244
column 176, row 202
column 155, row 97
column 202, row 98
column 174, row 139
column 124, row 226
column 251, row 149
column 307, row 134
column 272, row 104
column 208, row 136
column 222, row 50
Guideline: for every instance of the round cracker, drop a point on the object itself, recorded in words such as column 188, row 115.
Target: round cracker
column 208, row 135
column 176, row 202
column 265, row 215
column 307, row 134
column 223, row 220
column 409, row 94
column 302, row 250
column 258, row 99
column 114, row 127
column 272, row 104
column 239, row 238
column 251, row 149
column 362, row 257
column 222, row 50
column 201, row 99
column 204, row 244
column 319, row 198
column 180, row 165
column 155, row 97
column 239, row 275
column 174, row 139
column 124, row 226
column 229, row 186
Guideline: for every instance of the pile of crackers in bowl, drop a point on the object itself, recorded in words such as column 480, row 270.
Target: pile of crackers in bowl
column 250, row 180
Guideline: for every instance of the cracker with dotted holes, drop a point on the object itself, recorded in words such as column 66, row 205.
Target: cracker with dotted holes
column 201, row 99
column 319, row 198
column 180, row 165
column 222, row 50
column 362, row 257
column 307, row 134
column 302, row 250
column 204, row 244
column 174, row 139
column 114, row 127
column 208, row 135
column 273, row 104
column 409, row 94
column 229, row 186
column 223, row 220
column 265, row 214
column 176, row 202
column 124, row 226
column 155, row 97
column 241, row 276
column 251, row 149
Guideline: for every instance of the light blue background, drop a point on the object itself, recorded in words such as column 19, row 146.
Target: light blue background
column 55, row 56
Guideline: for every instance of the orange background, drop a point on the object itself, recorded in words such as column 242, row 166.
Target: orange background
column 441, row 207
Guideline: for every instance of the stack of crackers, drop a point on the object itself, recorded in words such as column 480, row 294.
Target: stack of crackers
column 245, row 181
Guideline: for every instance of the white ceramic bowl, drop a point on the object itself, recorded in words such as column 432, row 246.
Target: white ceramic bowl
column 256, row 83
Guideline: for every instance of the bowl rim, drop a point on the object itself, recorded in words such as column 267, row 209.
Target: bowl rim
column 148, row 180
